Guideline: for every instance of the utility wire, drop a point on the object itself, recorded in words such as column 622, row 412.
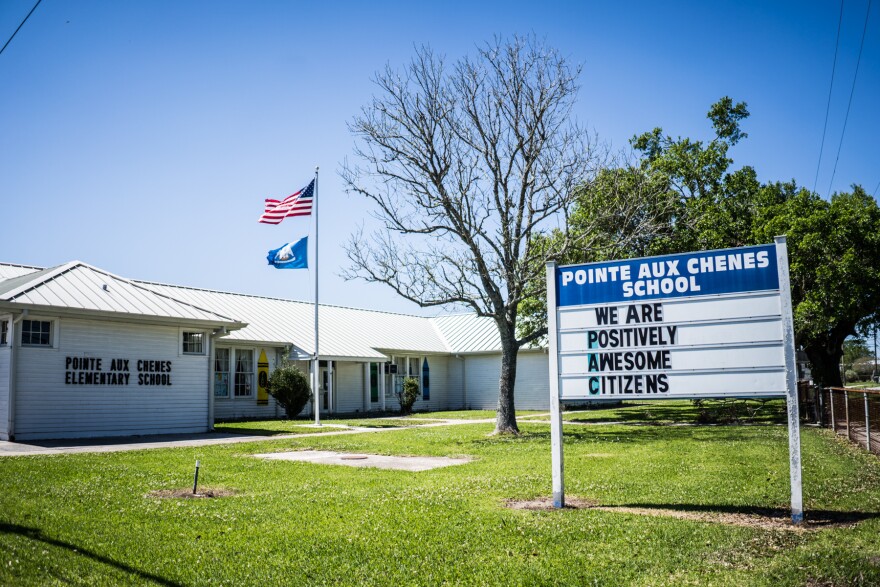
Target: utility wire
column 21, row 25
column 830, row 87
column 851, row 92
column 876, row 189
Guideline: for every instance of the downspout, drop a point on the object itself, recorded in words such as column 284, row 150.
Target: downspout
column 13, row 360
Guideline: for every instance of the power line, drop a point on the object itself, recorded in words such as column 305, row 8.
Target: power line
column 851, row 92
column 21, row 25
column 830, row 87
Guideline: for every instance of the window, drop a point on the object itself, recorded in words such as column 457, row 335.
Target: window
column 193, row 343
column 244, row 372
column 221, row 373
column 4, row 332
column 35, row 333
column 406, row 367
column 374, row 382
column 426, row 383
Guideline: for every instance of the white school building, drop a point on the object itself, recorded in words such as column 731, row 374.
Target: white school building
column 85, row 353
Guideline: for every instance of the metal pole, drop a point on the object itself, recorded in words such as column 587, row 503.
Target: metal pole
column 556, row 462
column 846, row 405
column 196, row 478
column 867, row 424
column 831, row 401
column 794, row 432
column 316, row 386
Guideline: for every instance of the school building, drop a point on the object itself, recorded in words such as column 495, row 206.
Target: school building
column 85, row 353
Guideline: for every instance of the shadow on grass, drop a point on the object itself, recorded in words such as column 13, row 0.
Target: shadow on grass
column 37, row 534
column 814, row 517
column 630, row 434
column 708, row 412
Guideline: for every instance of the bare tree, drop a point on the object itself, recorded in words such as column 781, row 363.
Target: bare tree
column 469, row 165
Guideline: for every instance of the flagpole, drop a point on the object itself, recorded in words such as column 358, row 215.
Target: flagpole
column 317, row 387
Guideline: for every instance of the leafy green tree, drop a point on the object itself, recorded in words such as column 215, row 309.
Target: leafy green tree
column 834, row 256
column 854, row 349
column 834, row 246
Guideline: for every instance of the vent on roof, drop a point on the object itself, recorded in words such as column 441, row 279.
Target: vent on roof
column 105, row 287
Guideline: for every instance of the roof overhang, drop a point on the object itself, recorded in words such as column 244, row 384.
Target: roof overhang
column 86, row 314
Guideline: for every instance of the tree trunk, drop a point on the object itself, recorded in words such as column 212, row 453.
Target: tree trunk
column 825, row 364
column 505, row 421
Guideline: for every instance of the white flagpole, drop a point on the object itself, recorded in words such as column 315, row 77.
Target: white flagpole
column 317, row 387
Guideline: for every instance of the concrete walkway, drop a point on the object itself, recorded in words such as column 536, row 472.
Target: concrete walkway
column 97, row 445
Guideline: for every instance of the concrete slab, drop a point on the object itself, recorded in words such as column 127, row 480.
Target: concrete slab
column 326, row 457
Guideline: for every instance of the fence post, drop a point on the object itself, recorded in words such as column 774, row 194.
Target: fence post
column 820, row 406
column 846, row 405
column 831, row 401
column 867, row 424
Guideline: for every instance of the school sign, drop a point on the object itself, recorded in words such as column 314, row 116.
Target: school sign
column 707, row 324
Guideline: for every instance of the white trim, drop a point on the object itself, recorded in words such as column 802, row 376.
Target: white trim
column 205, row 335
column 54, row 332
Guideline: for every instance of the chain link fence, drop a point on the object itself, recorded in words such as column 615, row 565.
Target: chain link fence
column 854, row 413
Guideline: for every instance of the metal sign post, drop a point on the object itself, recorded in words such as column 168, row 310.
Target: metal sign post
column 555, row 404
column 794, row 431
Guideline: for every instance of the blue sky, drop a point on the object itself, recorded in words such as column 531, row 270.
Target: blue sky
column 142, row 137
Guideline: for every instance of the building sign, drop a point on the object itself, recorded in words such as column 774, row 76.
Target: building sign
column 116, row 371
column 694, row 325
column 686, row 326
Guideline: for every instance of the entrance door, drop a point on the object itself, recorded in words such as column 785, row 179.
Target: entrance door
column 324, row 389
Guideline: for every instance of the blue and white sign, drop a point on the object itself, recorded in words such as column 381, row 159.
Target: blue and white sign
column 695, row 325
column 704, row 324
column 672, row 276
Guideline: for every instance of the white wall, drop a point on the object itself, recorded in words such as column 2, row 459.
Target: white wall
column 348, row 385
column 532, row 389
column 455, row 381
column 439, row 385
column 47, row 407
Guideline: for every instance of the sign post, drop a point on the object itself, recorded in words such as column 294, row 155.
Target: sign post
column 687, row 326
column 555, row 405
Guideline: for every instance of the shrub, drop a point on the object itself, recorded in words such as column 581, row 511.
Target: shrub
column 851, row 376
column 290, row 388
column 408, row 394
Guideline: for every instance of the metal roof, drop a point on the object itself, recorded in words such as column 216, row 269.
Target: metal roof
column 468, row 333
column 344, row 332
column 10, row 270
column 79, row 286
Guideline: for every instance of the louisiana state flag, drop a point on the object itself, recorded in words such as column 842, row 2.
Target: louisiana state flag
column 290, row 256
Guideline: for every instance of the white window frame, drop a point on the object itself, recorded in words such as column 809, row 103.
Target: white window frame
column 253, row 372
column 180, row 337
column 4, row 322
column 229, row 382
column 397, row 379
column 53, row 333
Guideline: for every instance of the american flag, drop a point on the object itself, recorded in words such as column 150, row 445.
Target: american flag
column 298, row 204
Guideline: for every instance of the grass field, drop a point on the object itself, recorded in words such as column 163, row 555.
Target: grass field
column 90, row 519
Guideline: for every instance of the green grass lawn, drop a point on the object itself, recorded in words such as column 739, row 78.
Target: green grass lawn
column 87, row 519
